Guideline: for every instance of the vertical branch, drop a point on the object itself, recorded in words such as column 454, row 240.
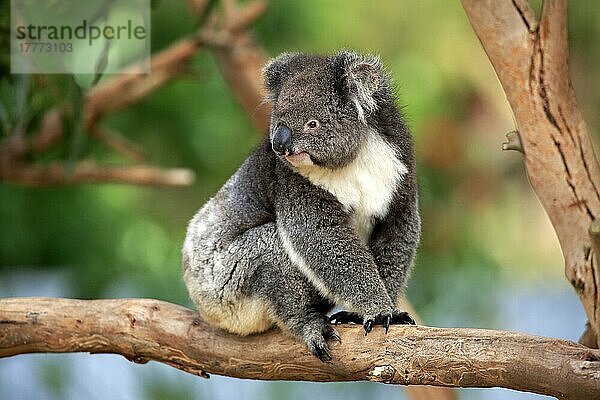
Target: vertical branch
column 241, row 60
column 531, row 62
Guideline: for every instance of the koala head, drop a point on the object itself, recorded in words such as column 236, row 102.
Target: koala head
column 322, row 106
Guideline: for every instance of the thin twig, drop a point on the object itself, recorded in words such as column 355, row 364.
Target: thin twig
column 119, row 144
column 89, row 172
column 128, row 89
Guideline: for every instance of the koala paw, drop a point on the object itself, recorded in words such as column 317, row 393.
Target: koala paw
column 402, row 318
column 381, row 319
column 395, row 318
column 345, row 317
column 348, row 317
column 316, row 339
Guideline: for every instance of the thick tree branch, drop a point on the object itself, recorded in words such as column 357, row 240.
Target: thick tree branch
column 420, row 392
column 144, row 330
column 531, row 62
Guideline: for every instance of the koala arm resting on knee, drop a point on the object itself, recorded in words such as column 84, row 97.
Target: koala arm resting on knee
column 319, row 238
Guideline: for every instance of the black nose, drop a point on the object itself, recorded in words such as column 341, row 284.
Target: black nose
column 282, row 140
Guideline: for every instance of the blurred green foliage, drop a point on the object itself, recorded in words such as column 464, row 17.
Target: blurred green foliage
column 479, row 215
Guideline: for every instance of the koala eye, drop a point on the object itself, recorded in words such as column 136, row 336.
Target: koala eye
column 312, row 125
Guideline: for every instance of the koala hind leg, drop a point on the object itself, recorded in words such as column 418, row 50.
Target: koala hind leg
column 297, row 308
column 294, row 304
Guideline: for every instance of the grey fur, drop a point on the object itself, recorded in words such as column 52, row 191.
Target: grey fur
column 283, row 241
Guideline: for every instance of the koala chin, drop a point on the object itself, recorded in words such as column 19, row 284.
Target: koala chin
column 323, row 213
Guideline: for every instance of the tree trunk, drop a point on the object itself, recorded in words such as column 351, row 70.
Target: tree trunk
column 531, row 61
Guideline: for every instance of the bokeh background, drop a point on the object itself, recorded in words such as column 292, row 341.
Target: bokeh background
column 489, row 257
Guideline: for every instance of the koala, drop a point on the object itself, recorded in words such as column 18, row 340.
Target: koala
column 323, row 213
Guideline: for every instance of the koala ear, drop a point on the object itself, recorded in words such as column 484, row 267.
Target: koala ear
column 358, row 78
column 276, row 71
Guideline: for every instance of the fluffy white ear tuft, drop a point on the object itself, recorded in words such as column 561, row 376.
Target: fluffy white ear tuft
column 362, row 76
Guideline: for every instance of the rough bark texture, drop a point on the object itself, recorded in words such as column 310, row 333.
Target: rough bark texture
column 531, row 61
column 419, row 392
column 143, row 330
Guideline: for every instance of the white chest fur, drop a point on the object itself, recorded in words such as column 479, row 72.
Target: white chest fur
column 366, row 186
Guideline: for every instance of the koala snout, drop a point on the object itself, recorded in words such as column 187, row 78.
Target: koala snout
column 282, row 140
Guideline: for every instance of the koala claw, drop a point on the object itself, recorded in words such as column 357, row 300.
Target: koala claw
column 396, row 318
column 316, row 338
column 368, row 325
column 381, row 319
column 320, row 351
column 386, row 322
column 402, row 318
column 334, row 336
column 345, row 317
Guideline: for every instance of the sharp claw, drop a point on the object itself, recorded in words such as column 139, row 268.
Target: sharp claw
column 345, row 317
column 368, row 326
column 386, row 322
column 334, row 336
column 321, row 352
column 324, row 355
column 406, row 318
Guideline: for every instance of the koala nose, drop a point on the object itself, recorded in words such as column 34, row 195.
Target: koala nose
column 282, row 140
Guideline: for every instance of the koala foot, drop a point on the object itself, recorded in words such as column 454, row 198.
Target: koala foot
column 316, row 339
column 396, row 318
column 348, row 317
column 345, row 317
column 402, row 318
